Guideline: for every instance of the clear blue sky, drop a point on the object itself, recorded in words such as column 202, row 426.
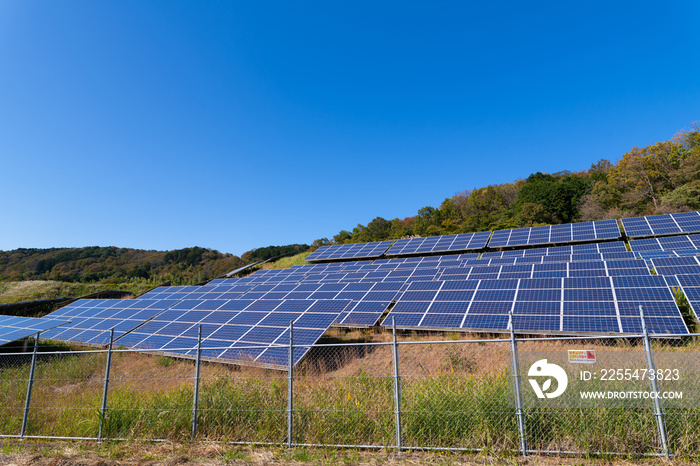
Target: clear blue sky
column 241, row 124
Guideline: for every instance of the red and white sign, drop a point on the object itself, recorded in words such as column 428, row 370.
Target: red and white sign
column 581, row 356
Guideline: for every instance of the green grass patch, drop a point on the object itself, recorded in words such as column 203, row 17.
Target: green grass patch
column 34, row 290
column 287, row 262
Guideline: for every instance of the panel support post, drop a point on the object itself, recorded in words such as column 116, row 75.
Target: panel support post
column 397, row 388
column 108, row 368
column 197, row 372
column 30, row 384
column 290, row 384
column 658, row 410
column 516, row 387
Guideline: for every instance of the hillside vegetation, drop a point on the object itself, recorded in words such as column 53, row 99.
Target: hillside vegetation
column 115, row 265
column 34, row 290
column 660, row 178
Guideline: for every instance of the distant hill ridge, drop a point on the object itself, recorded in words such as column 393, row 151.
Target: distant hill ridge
column 119, row 265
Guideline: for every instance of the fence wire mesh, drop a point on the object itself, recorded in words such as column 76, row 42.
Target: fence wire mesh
column 14, row 374
column 457, row 395
column 66, row 394
column 242, row 403
column 579, row 395
column 149, row 396
column 677, row 364
column 344, row 395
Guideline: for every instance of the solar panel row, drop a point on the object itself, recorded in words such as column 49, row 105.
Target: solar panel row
column 570, row 305
column 253, row 330
column 552, row 234
column 434, row 244
column 15, row 328
column 666, row 243
column 574, row 249
column 690, row 284
column 350, row 251
column 676, row 265
column 92, row 319
column 661, row 225
column 602, row 230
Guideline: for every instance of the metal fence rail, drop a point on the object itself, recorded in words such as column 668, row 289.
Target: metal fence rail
column 635, row 395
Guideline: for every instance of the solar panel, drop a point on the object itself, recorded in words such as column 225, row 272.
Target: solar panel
column 574, row 249
column 690, row 284
column 552, row 234
column 15, row 328
column 244, row 331
column 661, row 225
column 92, row 319
column 369, row 299
column 434, row 244
column 666, row 243
column 676, row 265
column 220, row 290
column 350, row 251
column 565, row 305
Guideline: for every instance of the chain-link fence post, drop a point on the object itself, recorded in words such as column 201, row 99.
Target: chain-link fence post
column 30, row 382
column 290, row 395
column 397, row 389
column 658, row 410
column 516, row 385
column 108, row 367
column 195, row 400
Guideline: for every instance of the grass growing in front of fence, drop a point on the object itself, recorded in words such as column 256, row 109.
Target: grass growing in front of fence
column 453, row 396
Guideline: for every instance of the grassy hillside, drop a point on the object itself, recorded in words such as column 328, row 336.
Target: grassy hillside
column 286, row 262
column 33, row 290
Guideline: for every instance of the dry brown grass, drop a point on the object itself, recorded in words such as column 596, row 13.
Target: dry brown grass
column 33, row 453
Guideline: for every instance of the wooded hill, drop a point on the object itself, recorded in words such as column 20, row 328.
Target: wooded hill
column 120, row 265
column 660, row 178
column 116, row 265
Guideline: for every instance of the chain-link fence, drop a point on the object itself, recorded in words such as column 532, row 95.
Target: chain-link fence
column 635, row 395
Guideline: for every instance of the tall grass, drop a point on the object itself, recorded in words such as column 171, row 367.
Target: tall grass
column 347, row 398
column 289, row 261
column 33, row 290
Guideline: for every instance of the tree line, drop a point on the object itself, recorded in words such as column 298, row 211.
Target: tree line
column 657, row 179
column 119, row 265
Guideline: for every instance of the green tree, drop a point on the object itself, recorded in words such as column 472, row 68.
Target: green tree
column 344, row 236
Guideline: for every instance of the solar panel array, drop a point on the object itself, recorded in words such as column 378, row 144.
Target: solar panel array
column 661, row 225
column 690, row 284
column 676, row 265
column 574, row 249
column 553, row 234
column 648, row 255
column 597, row 231
column 569, row 305
column 252, row 330
column 14, row 328
column 436, row 244
column 666, row 243
column 92, row 319
column 350, row 251
column 595, row 287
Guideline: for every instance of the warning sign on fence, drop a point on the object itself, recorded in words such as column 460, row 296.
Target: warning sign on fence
column 581, row 356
